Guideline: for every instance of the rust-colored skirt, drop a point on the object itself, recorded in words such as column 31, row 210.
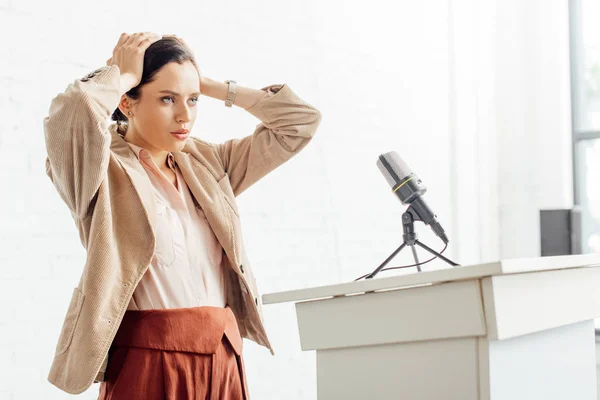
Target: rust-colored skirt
column 176, row 354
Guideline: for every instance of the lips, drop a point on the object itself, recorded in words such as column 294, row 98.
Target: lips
column 181, row 132
column 180, row 136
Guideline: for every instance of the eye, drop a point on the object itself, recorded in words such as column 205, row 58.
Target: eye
column 173, row 99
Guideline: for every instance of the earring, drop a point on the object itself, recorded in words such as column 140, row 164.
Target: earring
column 128, row 112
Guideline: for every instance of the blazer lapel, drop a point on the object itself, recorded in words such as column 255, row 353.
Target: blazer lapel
column 136, row 174
column 206, row 191
column 202, row 184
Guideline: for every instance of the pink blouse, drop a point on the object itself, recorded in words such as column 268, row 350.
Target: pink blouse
column 186, row 268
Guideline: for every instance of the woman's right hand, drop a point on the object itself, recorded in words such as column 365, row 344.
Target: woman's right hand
column 128, row 55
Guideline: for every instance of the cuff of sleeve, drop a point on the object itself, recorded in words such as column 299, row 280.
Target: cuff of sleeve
column 107, row 75
column 104, row 87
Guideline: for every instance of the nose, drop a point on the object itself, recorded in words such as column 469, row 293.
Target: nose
column 184, row 116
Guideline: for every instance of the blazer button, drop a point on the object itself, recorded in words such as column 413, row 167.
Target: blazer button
column 256, row 300
column 84, row 79
column 242, row 268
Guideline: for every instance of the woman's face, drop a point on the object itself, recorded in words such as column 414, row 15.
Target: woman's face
column 166, row 104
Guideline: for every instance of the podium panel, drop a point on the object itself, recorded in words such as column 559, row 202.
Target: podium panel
column 434, row 369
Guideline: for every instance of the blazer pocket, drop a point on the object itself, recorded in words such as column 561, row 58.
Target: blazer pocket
column 68, row 328
column 228, row 195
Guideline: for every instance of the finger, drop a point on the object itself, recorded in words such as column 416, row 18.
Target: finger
column 180, row 40
column 132, row 39
column 172, row 36
column 149, row 39
column 144, row 44
column 141, row 37
column 122, row 39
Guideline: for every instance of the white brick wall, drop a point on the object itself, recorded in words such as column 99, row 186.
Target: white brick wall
column 438, row 81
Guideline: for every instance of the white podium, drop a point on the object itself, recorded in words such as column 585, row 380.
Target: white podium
column 509, row 330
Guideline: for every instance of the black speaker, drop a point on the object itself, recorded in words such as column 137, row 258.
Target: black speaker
column 560, row 232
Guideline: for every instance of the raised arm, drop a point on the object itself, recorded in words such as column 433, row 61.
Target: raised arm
column 76, row 128
column 287, row 125
column 77, row 138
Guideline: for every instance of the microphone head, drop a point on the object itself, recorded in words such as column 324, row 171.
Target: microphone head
column 409, row 189
column 393, row 168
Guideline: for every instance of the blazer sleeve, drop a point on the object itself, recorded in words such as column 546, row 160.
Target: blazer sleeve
column 78, row 139
column 288, row 123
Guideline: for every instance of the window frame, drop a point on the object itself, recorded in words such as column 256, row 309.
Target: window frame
column 576, row 53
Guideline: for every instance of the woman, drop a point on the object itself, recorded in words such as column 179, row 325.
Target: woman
column 167, row 292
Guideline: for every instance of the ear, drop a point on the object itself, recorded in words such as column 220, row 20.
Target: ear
column 125, row 104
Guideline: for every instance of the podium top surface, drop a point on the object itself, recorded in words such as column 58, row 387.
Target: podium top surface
column 504, row 267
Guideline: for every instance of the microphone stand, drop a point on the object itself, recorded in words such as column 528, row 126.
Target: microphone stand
column 410, row 239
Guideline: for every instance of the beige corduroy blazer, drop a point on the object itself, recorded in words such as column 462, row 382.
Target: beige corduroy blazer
column 110, row 198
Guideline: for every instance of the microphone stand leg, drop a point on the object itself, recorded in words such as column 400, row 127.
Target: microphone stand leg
column 424, row 246
column 416, row 257
column 372, row 274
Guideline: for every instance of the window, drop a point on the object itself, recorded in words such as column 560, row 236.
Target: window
column 585, row 108
column 585, row 88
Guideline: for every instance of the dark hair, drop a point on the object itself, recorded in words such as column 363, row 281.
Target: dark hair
column 157, row 55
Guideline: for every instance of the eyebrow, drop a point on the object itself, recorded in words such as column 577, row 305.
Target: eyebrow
column 177, row 94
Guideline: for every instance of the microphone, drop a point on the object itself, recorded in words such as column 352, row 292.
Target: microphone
column 409, row 188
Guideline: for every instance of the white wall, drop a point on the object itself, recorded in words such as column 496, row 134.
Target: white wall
column 534, row 121
column 472, row 94
column 511, row 122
